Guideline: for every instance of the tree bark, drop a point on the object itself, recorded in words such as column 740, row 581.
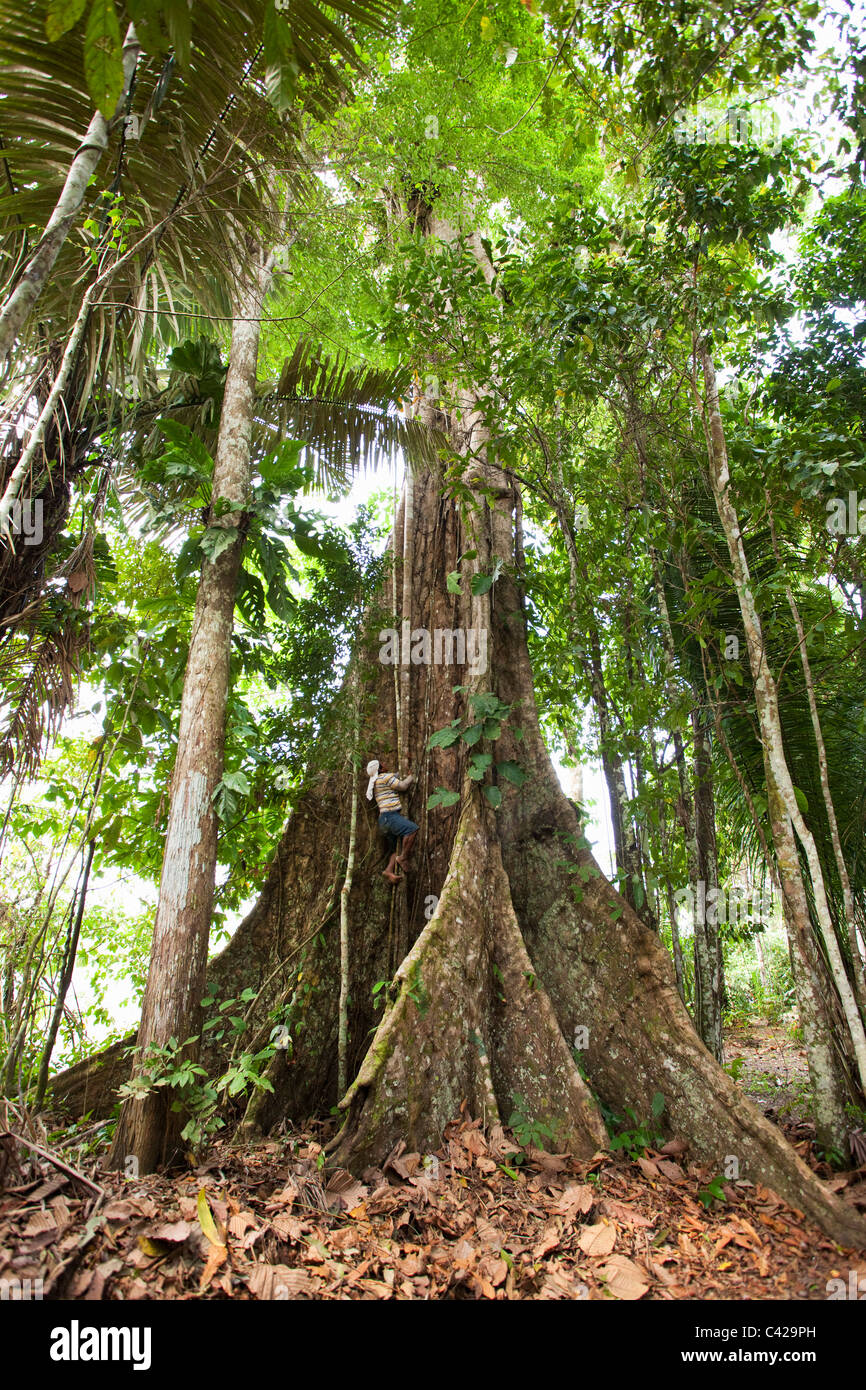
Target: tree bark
column 712, row 981
column 858, row 968
column 528, row 950
column 517, row 890
column 148, row 1129
column 785, row 817
column 33, row 277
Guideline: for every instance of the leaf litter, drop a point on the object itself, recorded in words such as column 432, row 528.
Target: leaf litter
column 268, row 1222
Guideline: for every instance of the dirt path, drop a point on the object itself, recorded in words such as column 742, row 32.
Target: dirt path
column 774, row 1072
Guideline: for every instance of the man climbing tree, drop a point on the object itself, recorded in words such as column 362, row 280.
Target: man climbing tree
column 385, row 785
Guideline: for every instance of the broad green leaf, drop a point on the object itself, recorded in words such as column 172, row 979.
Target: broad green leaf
column 188, row 561
column 512, row 772
column 103, row 56
column 442, row 797
column 62, row 16
column 443, row 738
column 452, row 582
column 250, row 598
column 236, row 782
column 281, row 470
column 188, row 445
column 216, row 539
column 478, row 765
column 494, row 796
column 472, row 734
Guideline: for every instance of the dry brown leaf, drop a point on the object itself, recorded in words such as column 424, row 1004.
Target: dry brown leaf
column 344, row 1191
column 578, row 1197
column 474, row 1141
column 41, row 1221
column 101, row 1276
column 62, row 1214
column 216, row 1257
column 598, row 1239
column 288, row 1228
column 648, row 1167
column 240, row 1223
column 624, row 1278
column 495, row 1271
column 175, row 1231
column 464, row 1252
column 278, row 1282
column 549, row 1163
column 549, row 1241
column 630, row 1215
column 671, row 1170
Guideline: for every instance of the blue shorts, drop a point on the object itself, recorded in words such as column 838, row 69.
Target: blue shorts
column 393, row 823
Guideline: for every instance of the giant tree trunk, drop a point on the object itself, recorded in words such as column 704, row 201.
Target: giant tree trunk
column 527, row 943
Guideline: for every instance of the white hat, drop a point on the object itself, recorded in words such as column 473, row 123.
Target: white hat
column 372, row 773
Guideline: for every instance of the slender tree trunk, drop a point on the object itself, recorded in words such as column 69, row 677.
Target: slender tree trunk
column 712, row 984
column 406, row 618
column 762, row 965
column 706, row 1010
column 66, row 969
column 345, row 921
column 33, row 277
column 783, row 809
column 635, row 675
column 148, row 1129
column 625, row 843
column 859, row 970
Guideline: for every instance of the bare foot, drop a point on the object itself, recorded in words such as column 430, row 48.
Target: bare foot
column 392, row 878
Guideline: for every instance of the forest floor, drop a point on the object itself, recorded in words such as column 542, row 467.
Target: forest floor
column 261, row 1223
column 471, row 1221
column 773, row 1070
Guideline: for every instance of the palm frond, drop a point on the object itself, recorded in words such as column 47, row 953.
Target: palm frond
column 351, row 417
column 37, row 674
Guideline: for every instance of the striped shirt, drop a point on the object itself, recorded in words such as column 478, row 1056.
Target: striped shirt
column 386, row 798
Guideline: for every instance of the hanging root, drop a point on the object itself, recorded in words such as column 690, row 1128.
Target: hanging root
column 470, row 1022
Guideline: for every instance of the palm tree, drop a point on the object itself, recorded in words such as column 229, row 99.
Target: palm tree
column 117, row 277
